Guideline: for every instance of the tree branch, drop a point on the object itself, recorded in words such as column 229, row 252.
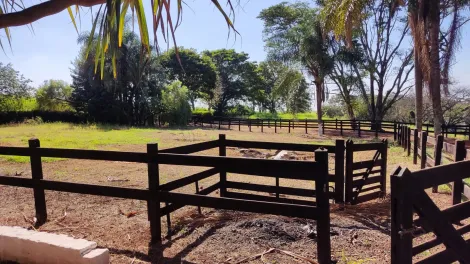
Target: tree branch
column 36, row 12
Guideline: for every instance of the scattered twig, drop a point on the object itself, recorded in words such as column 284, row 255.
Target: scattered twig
column 271, row 250
column 130, row 214
column 111, row 179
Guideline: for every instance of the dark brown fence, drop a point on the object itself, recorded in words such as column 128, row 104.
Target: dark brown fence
column 366, row 180
column 409, row 198
column 308, row 171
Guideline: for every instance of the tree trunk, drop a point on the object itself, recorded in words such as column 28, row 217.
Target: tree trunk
column 435, row 82
column 319, row 90
column 418, row 91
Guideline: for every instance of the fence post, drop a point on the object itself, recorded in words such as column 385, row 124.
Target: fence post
column 239, row 124
column 323, row 207
column 427, row 128
column 383, row 168
column 289, row 126
column 459, row 155
column 341, row 127
column 223, row 174
column 219, row 124
column 405, row 138
column 468, row 127
column 402, row 218
column 336, row 123
column 359, row 128
column 415, row 146
column 153, row 204
column 376, row 129
column 262, row 130
column 438, row 155
column 394, row 131
column 249, row 124
column 229, row 123
column 339, row 171
column 424, row 139
column 275, row 126
column 409, row 141
column 306, row 126
column 349, row 171
column 36, row 172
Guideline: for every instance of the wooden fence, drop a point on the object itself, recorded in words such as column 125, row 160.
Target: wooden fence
column 308, row 171
column 433, row 151
column 363, row 182
column 409, row 198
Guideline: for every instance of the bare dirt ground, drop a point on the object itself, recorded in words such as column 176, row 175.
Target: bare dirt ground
column 359, row 234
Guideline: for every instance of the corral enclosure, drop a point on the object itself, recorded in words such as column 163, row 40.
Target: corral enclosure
column 113, row 213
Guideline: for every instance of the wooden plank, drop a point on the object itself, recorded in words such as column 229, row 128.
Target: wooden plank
column 15, row 151
column 255, row 197
column 153, row 203
column 453, row 214
column 109, row 191
column 366, row 164
column 293, row 210
column 93, row 154
column 260, row 167
column 436, row 241
column 339, row 171
column 368, row 197
column 365, row 172
column 174, row 206
column 428, row 177
column 367, row 146
column 188, row 180
column 370, row 180
column 271, row 189
column 188, row 149
column 368, row 189
column 36, row 172
column 348, row 192
column 443, row 229
column 279, row 146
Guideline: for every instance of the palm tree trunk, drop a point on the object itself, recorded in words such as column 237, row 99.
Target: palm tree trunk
column 418, row 92
column 319, row 90
column 435, row 82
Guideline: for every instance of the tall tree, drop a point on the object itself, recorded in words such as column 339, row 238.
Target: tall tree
column 54, row 95
column 134, row 98
column 196, row 72
column 13, row 86
column 425, row 17
column 232, row 70
column 294, row 35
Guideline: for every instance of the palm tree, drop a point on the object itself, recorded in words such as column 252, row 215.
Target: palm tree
column 294, row 35
column 109, row 20
column 341, row 16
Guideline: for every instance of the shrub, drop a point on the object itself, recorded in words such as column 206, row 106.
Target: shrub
column 177, row 110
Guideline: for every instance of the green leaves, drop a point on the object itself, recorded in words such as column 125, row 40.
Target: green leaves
column 111, row 17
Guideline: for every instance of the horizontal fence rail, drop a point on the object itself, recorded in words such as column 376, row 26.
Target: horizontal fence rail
column 310, row 171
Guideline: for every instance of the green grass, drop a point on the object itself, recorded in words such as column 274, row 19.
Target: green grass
column 62, row 135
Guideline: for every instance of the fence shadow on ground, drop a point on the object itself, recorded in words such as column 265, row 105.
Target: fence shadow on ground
column 375, row 214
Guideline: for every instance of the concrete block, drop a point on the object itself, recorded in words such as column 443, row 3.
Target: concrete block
column 27, row 246
column 96, row 256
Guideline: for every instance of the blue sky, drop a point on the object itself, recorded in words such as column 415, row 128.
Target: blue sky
column 49, row 52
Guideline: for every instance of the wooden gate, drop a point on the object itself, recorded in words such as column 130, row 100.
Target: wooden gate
column 365, row 180
column 409, row 198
